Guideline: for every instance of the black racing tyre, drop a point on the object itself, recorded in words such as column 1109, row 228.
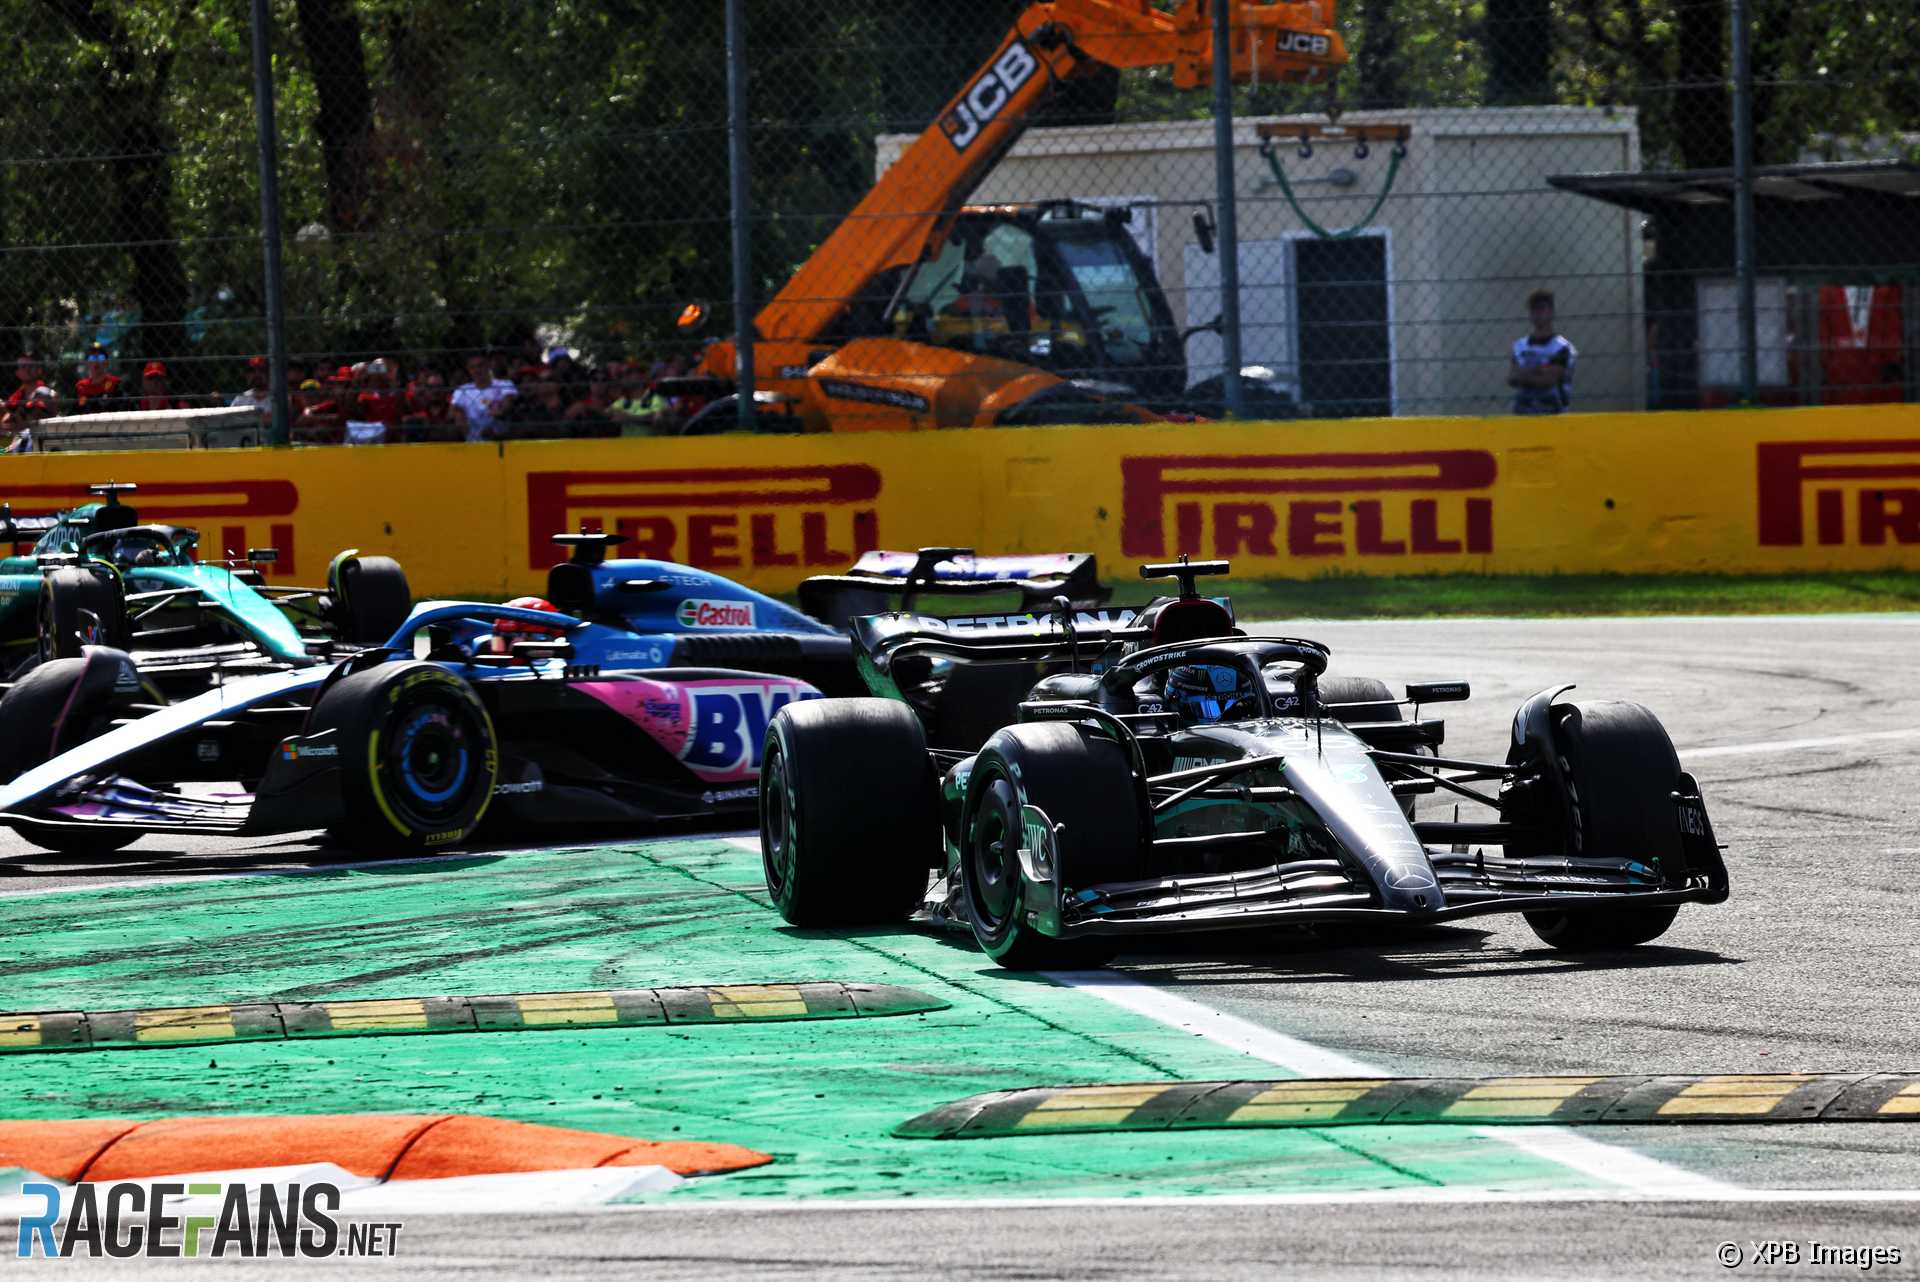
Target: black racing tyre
column 849, row 812
column 80, row 608
column 1081, row 782
column 1376, row 704
column 1373, row 695
column 371, row 598
column 59, row 705
column 1621, row 772
column 418, row 757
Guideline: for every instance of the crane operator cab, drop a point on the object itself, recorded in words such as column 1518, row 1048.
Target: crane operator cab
column 1059, row 285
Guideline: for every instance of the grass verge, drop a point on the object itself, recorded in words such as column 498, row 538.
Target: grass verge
column 1572, row 595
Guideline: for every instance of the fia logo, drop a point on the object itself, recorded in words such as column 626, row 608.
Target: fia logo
column 987, row 97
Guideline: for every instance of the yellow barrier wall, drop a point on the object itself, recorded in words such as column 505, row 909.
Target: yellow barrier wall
column 1735, row 492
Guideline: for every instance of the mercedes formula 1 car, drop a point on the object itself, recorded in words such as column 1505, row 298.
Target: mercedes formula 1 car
column 639, row 691
column 1168, row 772
column 96, row 575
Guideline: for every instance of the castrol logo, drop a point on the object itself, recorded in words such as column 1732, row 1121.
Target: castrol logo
column 716, row 614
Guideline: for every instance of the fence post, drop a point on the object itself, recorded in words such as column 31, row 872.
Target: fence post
column 1228, row 215
column 278, row 433
column 1743, row 246
column 742, row 199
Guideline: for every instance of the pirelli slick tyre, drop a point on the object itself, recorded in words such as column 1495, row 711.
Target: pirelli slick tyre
column 59, row 705
column 418, row 757
column 79, row 608
column 1366, row 699
column 849, row 812
column 1621, row 772
column 1084, row 785
column 371, row 597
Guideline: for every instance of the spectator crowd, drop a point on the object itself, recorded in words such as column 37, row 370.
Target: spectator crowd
column 497, row 396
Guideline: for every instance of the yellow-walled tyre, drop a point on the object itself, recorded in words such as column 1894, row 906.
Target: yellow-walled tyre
column 418, row 757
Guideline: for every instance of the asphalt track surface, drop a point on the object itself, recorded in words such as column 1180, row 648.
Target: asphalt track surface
column 1805, row 735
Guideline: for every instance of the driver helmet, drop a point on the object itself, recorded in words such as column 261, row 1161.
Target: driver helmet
column 1209, row 692
column 128, row 553
column 507, row 631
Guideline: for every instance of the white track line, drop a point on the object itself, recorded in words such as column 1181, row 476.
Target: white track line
column 141, row 883
column 1797, row 745
column 1451, row 1194
column 1576, row 1152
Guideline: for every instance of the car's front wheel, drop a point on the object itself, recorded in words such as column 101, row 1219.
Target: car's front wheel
column 1084, row 786
column 417, row 753
column 1621, row 773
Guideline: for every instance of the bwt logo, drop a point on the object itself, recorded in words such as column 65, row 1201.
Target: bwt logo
column 243, row 510
column 1847, row 479
column 1309, row 505
column 717, row 518
column 982, row 102
column 729, row 725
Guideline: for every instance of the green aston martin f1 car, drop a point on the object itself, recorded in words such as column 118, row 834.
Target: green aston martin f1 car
column 97, row 575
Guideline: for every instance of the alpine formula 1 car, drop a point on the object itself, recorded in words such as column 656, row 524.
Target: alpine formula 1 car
column 1169, row 772
column 96, row 575
column 639, row 692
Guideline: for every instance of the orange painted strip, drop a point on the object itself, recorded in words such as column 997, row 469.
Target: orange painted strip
column 465, row 1145
column 58, row 1150
column 363, row 1144
column 379, row 1145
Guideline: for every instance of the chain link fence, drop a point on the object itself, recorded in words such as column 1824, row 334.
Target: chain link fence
column 534, row 194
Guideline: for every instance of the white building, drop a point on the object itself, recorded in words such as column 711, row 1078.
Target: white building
column 1417, row 313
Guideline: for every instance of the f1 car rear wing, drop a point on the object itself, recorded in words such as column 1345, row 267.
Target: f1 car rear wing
column 883, row 581
column 21, row 530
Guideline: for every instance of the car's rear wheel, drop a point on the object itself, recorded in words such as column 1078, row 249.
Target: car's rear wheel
column 1362, row 699
column 79, row 608
column 59, row 705
column 418, row 756
column 1086, row 789
column 849, row 812
column 1621, row 772
column 371, row 598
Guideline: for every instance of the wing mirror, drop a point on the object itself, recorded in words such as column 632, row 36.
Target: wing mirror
column 263, row 556
column 1203, row 232
column 1438, row 691
column 534, row 651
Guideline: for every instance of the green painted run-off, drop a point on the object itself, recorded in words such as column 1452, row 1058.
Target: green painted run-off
column 822, row 1097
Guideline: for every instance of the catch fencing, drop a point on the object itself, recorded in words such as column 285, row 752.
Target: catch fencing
column 458, row 176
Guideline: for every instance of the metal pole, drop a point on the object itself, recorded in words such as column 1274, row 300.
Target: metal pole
column 1743, row 248
column 1228, row 216
column 742, row 207
column 279, row 432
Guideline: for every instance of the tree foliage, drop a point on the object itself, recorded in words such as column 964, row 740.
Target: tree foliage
column 463, row 171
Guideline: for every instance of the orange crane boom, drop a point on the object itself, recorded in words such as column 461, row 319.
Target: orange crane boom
column 1278, row 40
column 901, row 218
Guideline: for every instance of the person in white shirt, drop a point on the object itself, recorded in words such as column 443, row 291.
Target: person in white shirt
column 259, row 396
column 483, row 400
column 1541, row 372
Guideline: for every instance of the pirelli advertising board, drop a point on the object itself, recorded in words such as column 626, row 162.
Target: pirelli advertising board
column 1733, row 492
